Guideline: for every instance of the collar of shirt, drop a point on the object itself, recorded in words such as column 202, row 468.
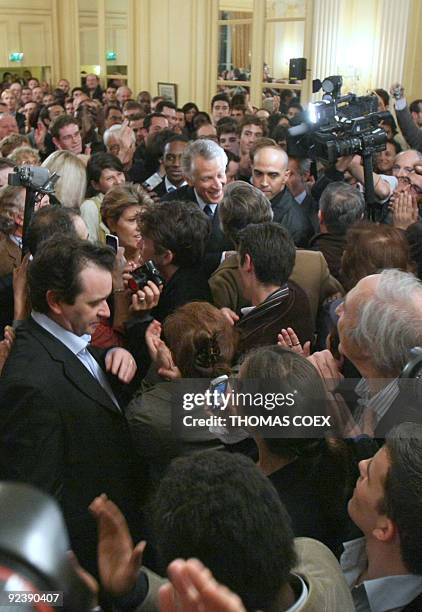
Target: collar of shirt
column 379, row 403
column 246, row 310
column 170, row 187
column 16, row 239
column 275, row 295
column 299, row 198
column 387, row 594
column 74, row 343
column 202, row 203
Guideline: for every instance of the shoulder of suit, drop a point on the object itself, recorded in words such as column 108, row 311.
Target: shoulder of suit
column 309, row 257
column 327, row 586
column 230, row 263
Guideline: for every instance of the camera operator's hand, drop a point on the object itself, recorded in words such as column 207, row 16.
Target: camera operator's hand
column 382, row 188
column 20, row 290
column 146, row 298
column 118, row 560
column 405, row 209
column 343, row 163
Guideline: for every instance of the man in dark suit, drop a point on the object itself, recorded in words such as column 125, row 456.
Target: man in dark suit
column 62, row 425
column 172, row 154
column 270, row 174
column 299, row 169
column 204, row 166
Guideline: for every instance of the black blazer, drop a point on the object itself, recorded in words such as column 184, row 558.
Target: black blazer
column 290, row 215
column 60, row 431
column 217, row 242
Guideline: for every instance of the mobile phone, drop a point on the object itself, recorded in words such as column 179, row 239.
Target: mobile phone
column 152, row 182
column 112, row 241
column 218, row 388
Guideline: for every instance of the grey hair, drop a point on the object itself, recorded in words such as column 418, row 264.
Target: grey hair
column 417, row 153
column 304, row 165
column 242, row 205
column 341, row 206
column 208, row 149
column 389, row 324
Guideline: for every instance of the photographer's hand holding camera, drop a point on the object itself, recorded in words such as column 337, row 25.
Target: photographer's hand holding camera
column 382, row 187
column 409, row 118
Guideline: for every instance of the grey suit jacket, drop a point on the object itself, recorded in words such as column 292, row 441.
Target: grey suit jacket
column 410, row 130
column 327, row 588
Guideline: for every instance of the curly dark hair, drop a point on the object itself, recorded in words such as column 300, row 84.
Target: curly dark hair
column 219, row 508
column 180, row 227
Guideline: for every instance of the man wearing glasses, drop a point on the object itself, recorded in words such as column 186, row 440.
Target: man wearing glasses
column 66, row 135
column 405, row 169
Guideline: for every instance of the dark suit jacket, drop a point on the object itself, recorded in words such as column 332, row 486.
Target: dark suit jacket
column 10, row 255
column 310, row 207
column 217, row 242
column 332, row 247
column 409, row 129
column 60, row 431
column 261, row 326
column 290, row 215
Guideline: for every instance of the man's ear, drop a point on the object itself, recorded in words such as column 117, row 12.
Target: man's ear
column 320, row 216
column 386, row 530
column 18, row 219
column 166, row 258
column 53, row 302
column 286, row 175
column 248, row 263
column 56, row 143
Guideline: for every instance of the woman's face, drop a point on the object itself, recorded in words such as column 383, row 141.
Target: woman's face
column 189, row 115
column 126, row 227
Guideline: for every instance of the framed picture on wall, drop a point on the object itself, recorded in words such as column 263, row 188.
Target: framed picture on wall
column 168, row 91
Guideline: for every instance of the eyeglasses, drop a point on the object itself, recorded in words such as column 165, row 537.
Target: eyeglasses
column 406, row 180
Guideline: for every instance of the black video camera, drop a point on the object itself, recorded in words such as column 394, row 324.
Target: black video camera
column 143, row 274
column 36, row 181
column 34, row 554
column 339, row 125
column 34, row 177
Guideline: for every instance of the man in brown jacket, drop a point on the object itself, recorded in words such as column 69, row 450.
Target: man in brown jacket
column 242, row 205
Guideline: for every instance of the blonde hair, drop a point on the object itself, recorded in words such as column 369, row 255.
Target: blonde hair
column 71, row 186
column 25, row 155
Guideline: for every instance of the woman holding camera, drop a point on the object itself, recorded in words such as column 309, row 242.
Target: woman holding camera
column 199, row 345
column 120, row 210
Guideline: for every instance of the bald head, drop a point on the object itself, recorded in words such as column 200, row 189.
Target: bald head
column 8, row 125
column 269, row 170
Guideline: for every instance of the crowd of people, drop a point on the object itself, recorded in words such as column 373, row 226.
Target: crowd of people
column 184, row 251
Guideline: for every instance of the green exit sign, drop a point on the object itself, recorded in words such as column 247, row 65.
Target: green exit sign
column 111, row 56
column 15, row 57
